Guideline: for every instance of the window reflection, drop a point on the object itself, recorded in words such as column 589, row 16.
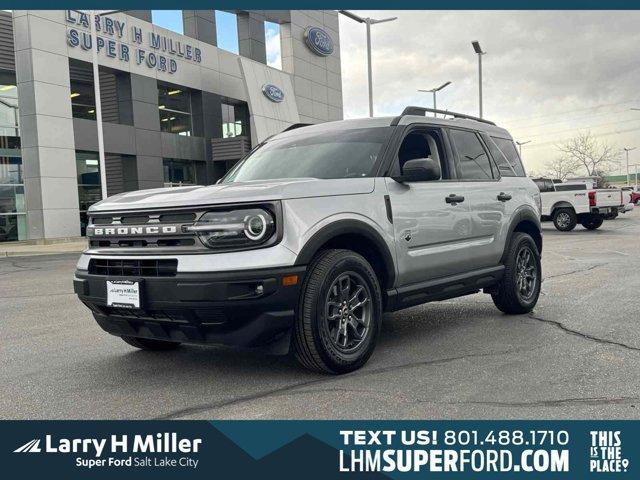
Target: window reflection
column 174, row 105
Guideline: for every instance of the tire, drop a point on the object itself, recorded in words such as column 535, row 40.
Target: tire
column 592, row 223
column 508, row 297
column 150, row 344
column 565, row 219
column 319, row 340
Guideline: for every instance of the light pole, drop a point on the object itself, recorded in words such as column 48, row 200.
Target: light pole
column 96, row 93
column 368, row 22
column 520, row 146
column 627, row 150
column 478, row 50
column 434, row 90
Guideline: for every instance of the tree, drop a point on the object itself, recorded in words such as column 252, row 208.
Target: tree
column 561, row 168
column 597, row 157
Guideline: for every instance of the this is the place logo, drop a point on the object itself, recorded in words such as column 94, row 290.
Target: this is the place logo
column 144, row 450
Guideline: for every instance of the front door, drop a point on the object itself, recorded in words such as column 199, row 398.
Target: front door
column 431, row 229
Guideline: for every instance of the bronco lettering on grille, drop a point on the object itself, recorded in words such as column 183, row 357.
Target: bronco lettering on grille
column 151, row 230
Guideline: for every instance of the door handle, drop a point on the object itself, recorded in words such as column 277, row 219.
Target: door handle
column 503, row 197
column 453, row 199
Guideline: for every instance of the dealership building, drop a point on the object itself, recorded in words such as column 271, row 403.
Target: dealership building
column 176, row 108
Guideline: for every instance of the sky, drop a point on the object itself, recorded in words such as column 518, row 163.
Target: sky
column 547, row 75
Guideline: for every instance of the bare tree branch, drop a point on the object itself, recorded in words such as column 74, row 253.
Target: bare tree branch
column 596, row 157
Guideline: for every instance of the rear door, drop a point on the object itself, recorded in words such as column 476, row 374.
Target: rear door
column 491, row 199
column 431, row 233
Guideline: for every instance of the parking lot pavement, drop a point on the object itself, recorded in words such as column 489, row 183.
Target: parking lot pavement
column 576, row 356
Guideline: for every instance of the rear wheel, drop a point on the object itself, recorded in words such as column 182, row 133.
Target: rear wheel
column 339, row 315
column 150, row 344
column 592, row 222
column 565, row 219
column 519, row 288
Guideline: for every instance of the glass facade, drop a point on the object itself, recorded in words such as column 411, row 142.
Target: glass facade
column 174, row 105
column 182, row 172
column 13, row 219
column 9, row 117
column 89, row 191
column 83, row 100
column 232, row 123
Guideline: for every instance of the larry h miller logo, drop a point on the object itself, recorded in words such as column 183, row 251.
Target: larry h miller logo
column 164, row 449
column 30, row 447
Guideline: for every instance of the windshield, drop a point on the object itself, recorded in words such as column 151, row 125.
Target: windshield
column 337, row 154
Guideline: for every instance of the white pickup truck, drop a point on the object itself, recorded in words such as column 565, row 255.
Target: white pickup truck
column 577, row 201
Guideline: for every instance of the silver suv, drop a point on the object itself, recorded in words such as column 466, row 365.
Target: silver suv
column 321, row 229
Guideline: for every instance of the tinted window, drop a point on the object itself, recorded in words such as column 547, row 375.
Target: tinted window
column 563, row 188
column 544, row 185
column 508, row 148
column 474, row 161
column 336, row 154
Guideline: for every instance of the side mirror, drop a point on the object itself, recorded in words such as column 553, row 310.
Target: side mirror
column 420, row 170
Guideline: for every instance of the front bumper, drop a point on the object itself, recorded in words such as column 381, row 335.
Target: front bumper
column 215, row 308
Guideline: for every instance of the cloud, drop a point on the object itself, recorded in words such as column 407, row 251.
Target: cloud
column 272, row 36
column 547, row 74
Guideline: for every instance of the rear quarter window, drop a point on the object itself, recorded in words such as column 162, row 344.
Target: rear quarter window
column 513, row 166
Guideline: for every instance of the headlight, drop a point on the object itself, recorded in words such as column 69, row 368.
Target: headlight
column 235, row 229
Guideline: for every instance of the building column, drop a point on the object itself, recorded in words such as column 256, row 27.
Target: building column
column 48, row 150
column 201, row 25
column 251, row 39
column 146, row 120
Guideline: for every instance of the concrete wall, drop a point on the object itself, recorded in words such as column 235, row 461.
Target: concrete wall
column 48, row 149
column 317, row 80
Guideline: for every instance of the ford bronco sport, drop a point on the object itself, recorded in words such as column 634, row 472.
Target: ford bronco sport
column 321, row 229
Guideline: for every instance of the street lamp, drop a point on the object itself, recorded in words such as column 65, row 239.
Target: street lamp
column 520, row 146
column 434, row 90
column 478, row 50
column 368, row 22
column 96, row 92
column 627, row 150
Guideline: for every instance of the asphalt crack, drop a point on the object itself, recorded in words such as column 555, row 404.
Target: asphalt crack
column 589, row 401
column 573, row 272
column 585, row 336
column 296, row 386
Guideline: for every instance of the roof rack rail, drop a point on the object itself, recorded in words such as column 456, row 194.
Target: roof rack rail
column 422, row 110
column 296, row 125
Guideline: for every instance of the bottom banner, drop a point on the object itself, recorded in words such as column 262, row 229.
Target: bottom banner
column 320, row 449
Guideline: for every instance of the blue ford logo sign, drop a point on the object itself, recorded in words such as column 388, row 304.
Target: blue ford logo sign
column 273, row 93
column 318, row 41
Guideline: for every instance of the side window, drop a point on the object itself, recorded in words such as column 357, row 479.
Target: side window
column 474, row 161
column 544, row 185
column 421, row 144
column 508, row 149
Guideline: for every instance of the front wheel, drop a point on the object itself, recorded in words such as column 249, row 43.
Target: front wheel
column 592, row 223
column 339, row 314
column 519, row 289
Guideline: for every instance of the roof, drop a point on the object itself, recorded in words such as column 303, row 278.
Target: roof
column 400, row 120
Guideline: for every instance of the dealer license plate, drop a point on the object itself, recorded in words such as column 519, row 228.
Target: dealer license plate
column 123, row 293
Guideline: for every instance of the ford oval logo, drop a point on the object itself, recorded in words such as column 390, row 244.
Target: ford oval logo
column 273, row 93
column 318, row 41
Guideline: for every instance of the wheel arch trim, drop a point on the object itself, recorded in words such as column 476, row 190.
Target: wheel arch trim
column 348, row 227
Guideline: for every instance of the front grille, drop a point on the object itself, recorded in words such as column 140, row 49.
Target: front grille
column 138, row 231
column 143, row 218
column 133, row 268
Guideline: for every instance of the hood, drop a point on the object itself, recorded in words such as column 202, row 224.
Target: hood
column 256, row 191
